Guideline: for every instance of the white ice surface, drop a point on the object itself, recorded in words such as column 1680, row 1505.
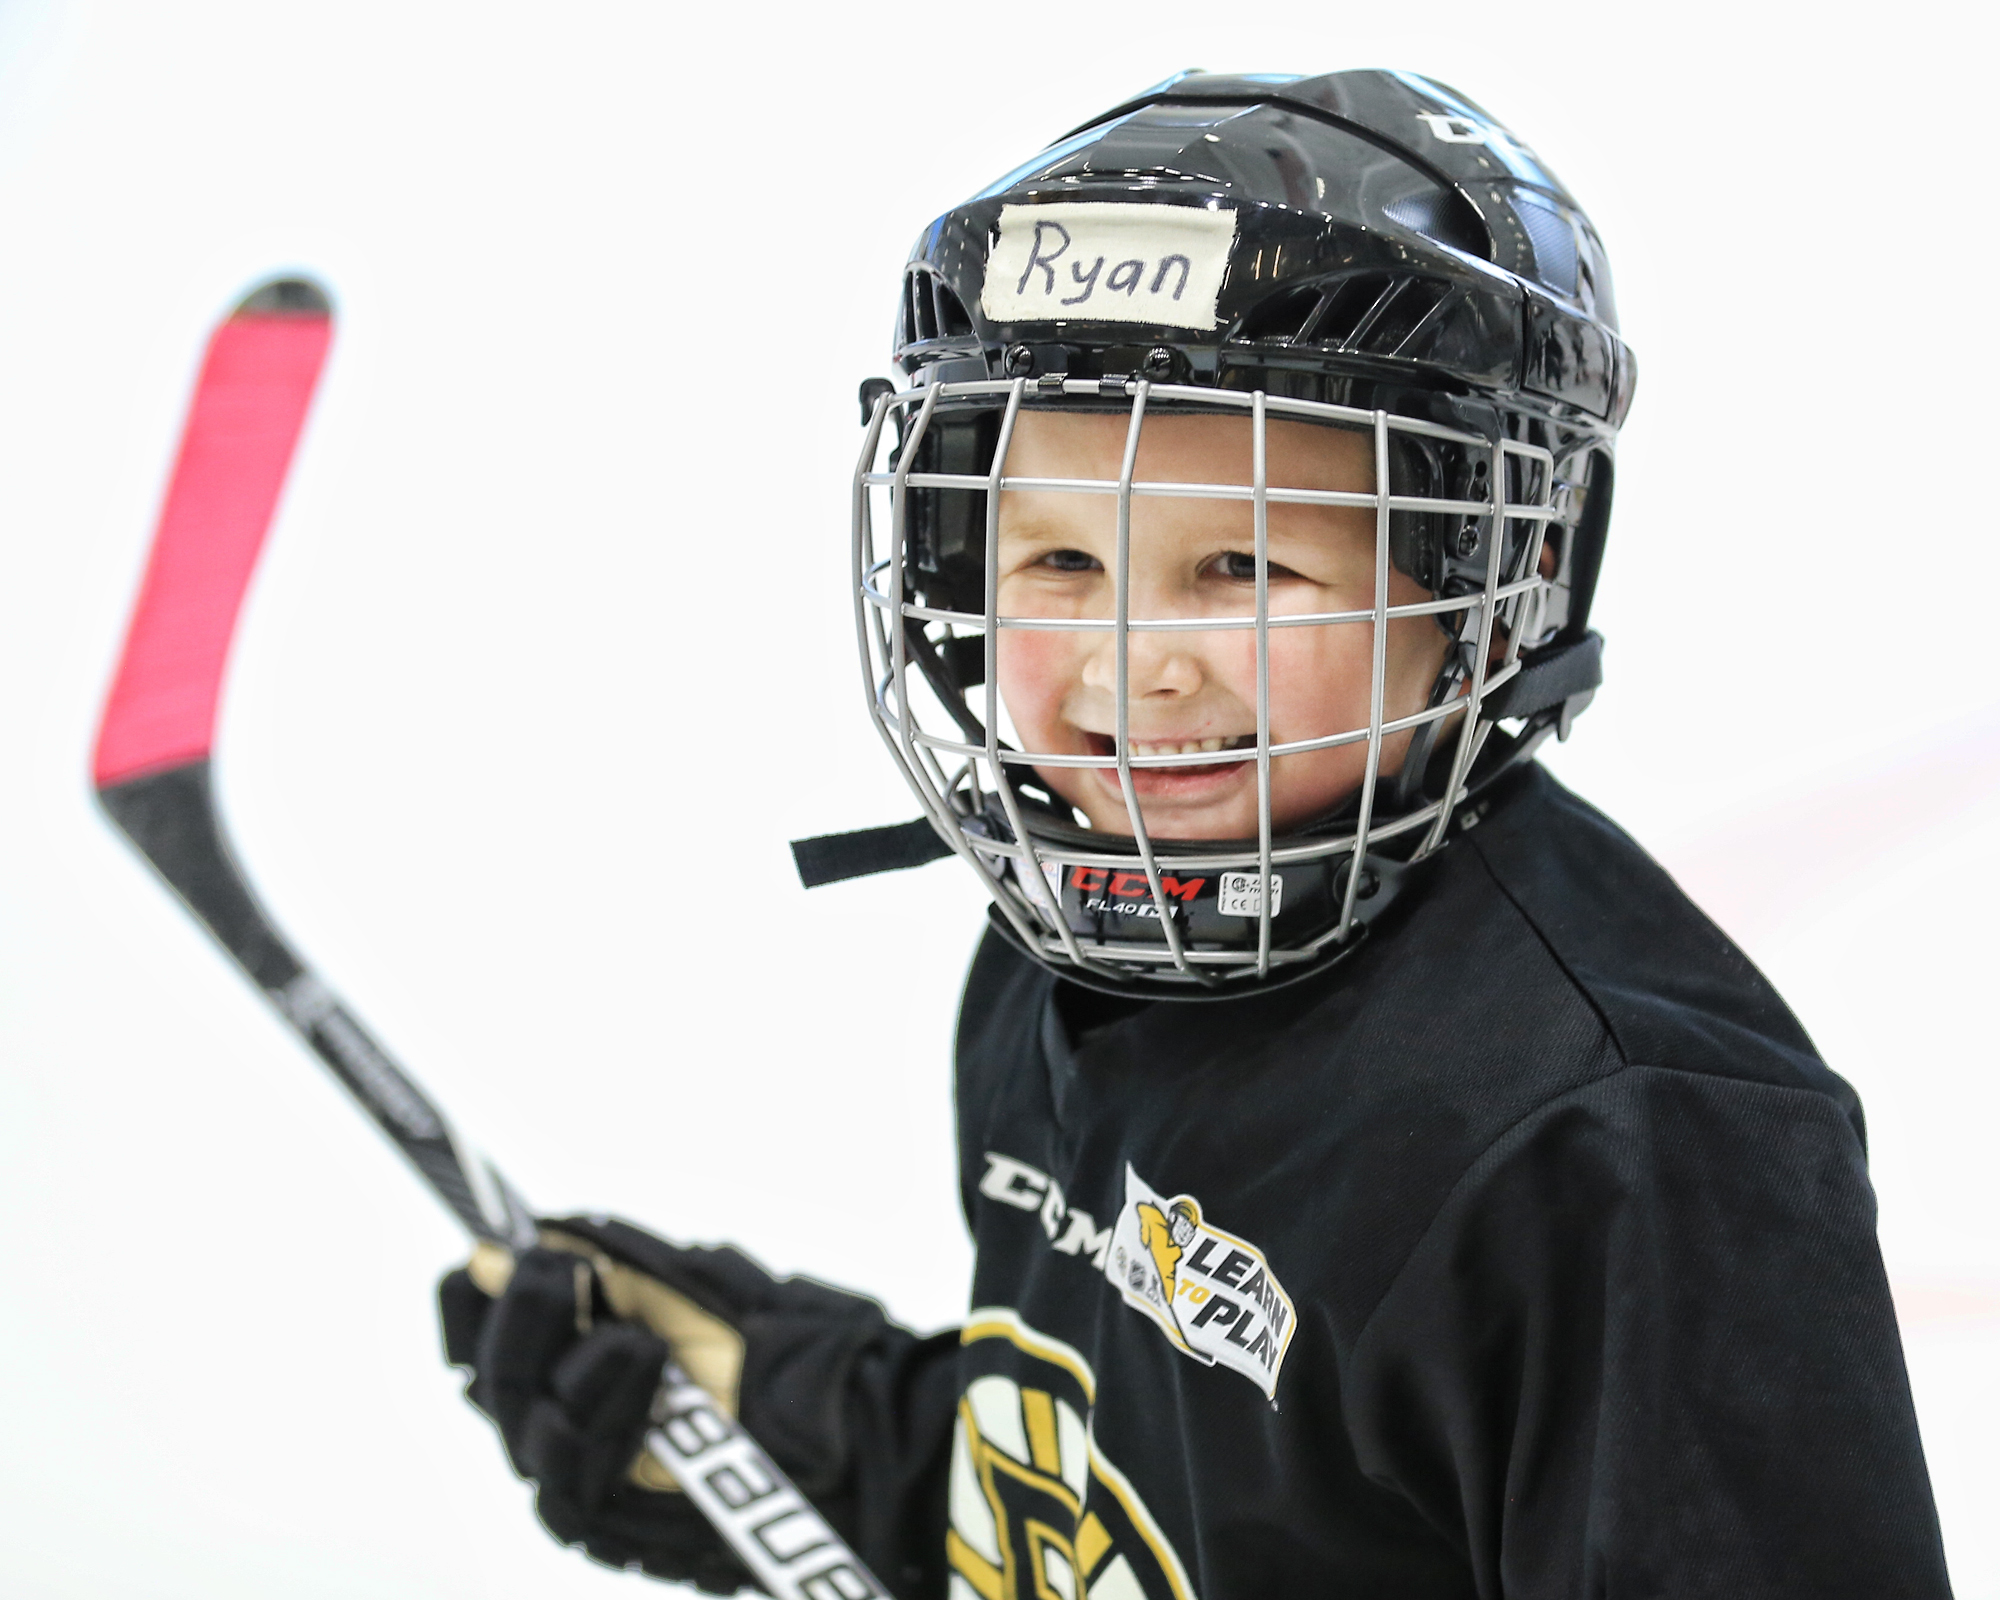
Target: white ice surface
column 507, row 763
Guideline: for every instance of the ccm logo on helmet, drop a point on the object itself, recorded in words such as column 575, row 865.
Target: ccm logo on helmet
column 1454, row 130
column 1131, row 885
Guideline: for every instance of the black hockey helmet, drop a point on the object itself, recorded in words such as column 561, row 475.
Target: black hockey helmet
column 1364, row 250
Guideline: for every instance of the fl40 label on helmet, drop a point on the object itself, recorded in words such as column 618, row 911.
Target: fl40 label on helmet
column 1124, row 892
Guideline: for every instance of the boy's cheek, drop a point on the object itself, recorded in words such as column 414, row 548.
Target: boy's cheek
column 1308, row 786
column 1319, row 680
column 1230, row 658
column 1036, row 672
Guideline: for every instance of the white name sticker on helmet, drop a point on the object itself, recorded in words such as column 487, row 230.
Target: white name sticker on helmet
column 1108, row 261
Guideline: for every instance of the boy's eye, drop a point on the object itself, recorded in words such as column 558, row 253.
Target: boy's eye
column 1070, row 561
column 1240, row 566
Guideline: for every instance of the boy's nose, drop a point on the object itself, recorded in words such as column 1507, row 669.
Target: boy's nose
column 1157, row 664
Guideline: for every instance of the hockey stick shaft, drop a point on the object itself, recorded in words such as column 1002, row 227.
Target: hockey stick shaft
column 170, row 816
column 152, row 776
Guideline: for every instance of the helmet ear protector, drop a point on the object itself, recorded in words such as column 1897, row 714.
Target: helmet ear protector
column 1346, row 266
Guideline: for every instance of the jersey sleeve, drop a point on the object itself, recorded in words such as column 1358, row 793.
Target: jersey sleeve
column 900, row 1402
column 1646, row 1348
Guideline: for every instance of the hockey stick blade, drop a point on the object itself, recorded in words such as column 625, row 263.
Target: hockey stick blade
column 152, row 776
column 151, row 766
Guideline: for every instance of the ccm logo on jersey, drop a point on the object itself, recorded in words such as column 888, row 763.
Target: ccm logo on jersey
column 1072, row 1231
column 1108, row 261
column 1212, row 1294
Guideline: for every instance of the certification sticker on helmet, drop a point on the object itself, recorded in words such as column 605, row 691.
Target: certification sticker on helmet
column 1106, row 261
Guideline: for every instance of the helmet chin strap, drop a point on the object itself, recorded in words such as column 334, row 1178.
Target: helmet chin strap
column 1405, row 790
column 832, row 857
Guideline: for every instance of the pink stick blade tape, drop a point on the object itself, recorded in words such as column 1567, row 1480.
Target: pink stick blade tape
column 249, row 406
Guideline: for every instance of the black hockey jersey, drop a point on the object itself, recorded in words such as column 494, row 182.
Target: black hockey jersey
column 1528, row 1253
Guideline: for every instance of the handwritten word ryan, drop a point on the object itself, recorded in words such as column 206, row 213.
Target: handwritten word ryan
column 1051, row 244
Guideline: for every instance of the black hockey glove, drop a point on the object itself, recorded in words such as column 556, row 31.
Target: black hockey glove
column 567, row 1358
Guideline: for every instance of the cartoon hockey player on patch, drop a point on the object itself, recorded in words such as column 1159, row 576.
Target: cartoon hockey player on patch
column 1166, row 1236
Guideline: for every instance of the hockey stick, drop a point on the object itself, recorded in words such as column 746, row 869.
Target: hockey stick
column 151, row 773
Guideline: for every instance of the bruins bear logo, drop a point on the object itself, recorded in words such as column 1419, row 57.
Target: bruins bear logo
column 1037, row 1512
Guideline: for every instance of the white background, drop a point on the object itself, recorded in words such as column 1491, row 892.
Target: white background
column 550, row 655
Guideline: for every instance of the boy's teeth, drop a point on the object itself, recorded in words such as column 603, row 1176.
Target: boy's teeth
column 1179, row 747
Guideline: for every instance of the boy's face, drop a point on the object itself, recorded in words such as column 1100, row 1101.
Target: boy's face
column 1197, row 690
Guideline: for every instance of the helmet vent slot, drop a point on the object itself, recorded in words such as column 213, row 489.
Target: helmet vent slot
column 952, row 320
column 1371, row 313
column 919, row 309
column 1446, row 216
column 1352, row 304
column 1368, row 313
column 1282, row 316
column 1400, row 315
column 1553, row 238
column 931, row 310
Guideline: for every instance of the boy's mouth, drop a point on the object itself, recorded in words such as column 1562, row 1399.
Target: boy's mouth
column 1170, row 779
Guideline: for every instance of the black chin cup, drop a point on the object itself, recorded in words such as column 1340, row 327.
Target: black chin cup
column 1311, row 892
column 1213, row 910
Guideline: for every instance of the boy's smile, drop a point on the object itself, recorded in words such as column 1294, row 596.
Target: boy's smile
column 1193, row 691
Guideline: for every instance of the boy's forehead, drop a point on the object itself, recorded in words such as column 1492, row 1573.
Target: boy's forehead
column 1215, row 448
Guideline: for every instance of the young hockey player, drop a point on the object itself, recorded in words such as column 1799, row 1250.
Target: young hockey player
column 1384, row 1182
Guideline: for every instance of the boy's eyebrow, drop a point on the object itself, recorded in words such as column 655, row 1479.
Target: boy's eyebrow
column 1043, row 522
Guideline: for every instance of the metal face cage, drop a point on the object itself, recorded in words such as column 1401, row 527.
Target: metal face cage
column 1466, row 511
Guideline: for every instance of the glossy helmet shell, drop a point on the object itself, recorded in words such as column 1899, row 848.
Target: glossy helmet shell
column 1395, row 250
